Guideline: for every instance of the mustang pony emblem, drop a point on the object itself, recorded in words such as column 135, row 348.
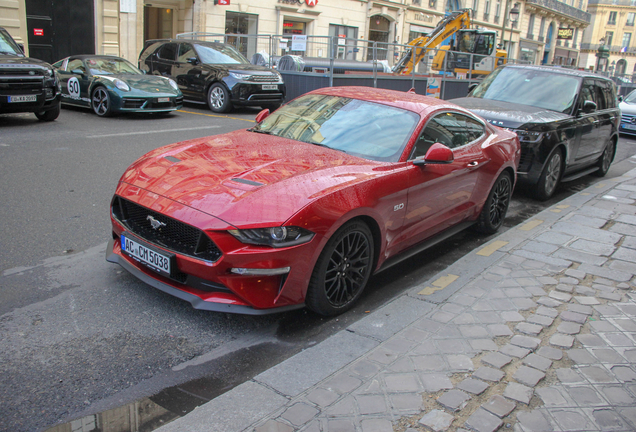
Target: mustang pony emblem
column 154, row 223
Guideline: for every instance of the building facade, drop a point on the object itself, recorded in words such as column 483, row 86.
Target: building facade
column 120, row 27
column 612, row 26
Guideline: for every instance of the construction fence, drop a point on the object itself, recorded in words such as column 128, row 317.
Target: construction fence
column 311, row 62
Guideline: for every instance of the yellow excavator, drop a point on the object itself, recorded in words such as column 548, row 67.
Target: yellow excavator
column 455, row 57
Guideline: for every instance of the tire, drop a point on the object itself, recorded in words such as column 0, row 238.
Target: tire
column 271, row 107
column 550, row 177
column 342, row 270
column 219, row 98
column 606, row 160
column 49, row 115
column 100, row 102
column 496, row 206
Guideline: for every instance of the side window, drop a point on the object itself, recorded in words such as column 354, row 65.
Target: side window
column 75, row 64
column 451, row 129
column 600, row 95
column 588, row 93
column 186, row 51
column 168, row 51
column 608, row 91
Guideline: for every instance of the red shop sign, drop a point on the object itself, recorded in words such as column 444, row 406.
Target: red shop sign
column 312, row 2
column 222, row 2
column 38, row 32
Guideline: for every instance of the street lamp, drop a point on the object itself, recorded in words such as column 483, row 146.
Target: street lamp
column 602, row 54
column 513, row 16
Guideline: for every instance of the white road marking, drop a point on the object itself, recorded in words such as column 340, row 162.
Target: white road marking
column 151, row 132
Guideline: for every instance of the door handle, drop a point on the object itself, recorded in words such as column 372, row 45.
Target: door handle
column 473, row 164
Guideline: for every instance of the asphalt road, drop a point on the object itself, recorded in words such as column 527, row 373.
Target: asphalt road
column 79, row 336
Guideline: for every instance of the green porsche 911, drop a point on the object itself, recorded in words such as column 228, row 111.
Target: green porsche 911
column 110, row 84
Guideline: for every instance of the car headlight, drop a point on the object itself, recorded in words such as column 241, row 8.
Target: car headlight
column 275, row 236
column 173, row 84
column 240, row 76
column 121, row 85
column 529, row 137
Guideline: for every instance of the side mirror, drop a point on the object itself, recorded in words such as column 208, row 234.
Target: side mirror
column 589, row 106
column 21, row 47
column 193, row 61
column 438, row 154
column 620, row 98
column 262, row 115
column 472, row 87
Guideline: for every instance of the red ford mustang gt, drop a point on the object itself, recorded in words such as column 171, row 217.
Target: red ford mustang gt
column 301, row 209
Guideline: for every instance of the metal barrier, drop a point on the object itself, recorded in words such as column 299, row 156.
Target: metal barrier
column 334, row 61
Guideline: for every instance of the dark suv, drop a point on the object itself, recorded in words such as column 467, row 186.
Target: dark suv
column 26, row 84
column 567, row 121
column 214, row 73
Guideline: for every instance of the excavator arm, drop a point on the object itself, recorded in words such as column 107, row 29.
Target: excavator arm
column 445, row 28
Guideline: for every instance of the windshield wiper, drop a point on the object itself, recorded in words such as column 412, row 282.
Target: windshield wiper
column 324, row 145
column 259, row 131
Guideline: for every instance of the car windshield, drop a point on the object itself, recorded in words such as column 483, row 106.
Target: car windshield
column 7, row 46
column 360, row 128
column 539, row 88
column 107, row 66
column 631, row 98
column 219, row 54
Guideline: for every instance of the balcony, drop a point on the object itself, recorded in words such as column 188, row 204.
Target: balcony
column 612, row 2
column 566, row 9
column 613, row 48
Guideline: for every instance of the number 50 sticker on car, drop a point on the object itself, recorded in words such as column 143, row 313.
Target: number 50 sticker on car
column 156, row 261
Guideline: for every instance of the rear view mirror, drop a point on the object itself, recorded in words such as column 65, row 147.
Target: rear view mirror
column 262, row 115
column 438, row 154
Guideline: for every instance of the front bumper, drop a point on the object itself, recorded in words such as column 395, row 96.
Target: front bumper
column 149, row 104
column 237, row 277
column 197, row 302
column 253, row 94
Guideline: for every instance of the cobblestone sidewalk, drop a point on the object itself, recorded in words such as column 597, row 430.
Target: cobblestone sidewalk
column 534, row 332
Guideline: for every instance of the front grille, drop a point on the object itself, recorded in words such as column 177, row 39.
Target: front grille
column 21, row 84
column 132, row 103
column 627, row 118
column 264, row 78
column 175, row 235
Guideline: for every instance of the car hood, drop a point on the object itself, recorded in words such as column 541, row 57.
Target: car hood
column 150, row 83
column 509, row 115
column 245, row 178
column 627, row 108
column 16, row 63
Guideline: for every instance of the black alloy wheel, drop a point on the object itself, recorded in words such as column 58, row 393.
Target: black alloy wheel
column 496, row 206
column 342, row 271
column 550, row 177
column 606, row 160
column 100, row 102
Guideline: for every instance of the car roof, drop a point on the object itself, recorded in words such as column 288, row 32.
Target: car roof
column 560, row 70
column 405, row 100
column 87, row 56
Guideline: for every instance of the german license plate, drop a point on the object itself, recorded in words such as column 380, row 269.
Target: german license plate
column 163, row 99
column 29, row 98
column 150, row 257
column 629, row 126
column 270, row 87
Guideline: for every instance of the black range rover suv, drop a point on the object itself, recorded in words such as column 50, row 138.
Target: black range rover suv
column 26, row 84
column 567, row 121
column 213, row 72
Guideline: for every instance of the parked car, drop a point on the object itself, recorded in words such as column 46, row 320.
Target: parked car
column 110, row 84
column 26, row 84
column 567, row 121
column 303, row 207
column 628, row 114
column 213, row 73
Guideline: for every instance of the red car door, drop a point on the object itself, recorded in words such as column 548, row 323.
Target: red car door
column 442, row 195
